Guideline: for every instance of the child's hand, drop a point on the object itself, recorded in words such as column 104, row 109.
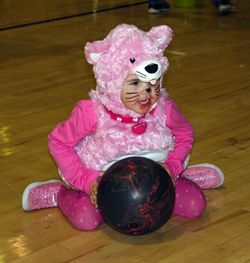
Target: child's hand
column 93, row 193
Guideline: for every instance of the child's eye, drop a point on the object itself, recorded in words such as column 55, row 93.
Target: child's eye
column 134, row 83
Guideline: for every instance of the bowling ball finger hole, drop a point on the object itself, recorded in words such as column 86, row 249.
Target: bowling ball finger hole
column 133, row 226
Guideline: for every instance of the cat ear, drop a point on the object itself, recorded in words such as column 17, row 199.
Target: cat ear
column 94, row 50
column 162, row 35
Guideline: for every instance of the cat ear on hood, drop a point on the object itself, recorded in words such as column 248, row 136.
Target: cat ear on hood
column 162, row 35
column 94, row 50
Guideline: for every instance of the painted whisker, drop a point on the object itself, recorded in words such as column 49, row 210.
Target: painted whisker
column 132, row 93
column 132, row 97
column 131, row 100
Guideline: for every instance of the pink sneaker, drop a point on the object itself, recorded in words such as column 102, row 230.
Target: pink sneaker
column 205, row 175
column 41, row 195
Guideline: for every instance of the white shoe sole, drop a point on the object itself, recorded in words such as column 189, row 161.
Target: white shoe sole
column 153, row 11
column 27, row 190
column 223, row 9
column 213, row 167
column 157, row 11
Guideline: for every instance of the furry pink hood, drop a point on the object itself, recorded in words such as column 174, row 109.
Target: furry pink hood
column 126, row 50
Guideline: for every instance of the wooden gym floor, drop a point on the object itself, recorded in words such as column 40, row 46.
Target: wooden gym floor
column 43, row 73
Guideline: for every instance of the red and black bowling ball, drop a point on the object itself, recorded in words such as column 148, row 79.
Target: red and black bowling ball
column 136, row 196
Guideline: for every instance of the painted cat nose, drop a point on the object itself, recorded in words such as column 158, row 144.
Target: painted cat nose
column 151, row 68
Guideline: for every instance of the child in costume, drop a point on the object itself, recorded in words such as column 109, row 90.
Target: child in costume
column 128, row 114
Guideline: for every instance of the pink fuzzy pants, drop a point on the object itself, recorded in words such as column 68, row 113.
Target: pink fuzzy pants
column 77, row 207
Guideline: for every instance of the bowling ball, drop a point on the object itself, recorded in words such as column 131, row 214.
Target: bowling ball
column 136, row 196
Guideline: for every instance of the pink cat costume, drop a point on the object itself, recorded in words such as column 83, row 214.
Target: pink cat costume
column 102, row 130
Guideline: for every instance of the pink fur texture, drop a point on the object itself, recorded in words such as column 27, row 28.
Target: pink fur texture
column 111, row 59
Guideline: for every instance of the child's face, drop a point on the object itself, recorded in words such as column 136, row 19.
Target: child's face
column 139, row 96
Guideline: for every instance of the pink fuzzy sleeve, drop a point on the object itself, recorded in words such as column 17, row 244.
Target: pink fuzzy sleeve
column 183, row 132
column 65, row 136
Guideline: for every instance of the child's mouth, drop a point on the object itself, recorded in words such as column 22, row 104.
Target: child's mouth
column 144, row 103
